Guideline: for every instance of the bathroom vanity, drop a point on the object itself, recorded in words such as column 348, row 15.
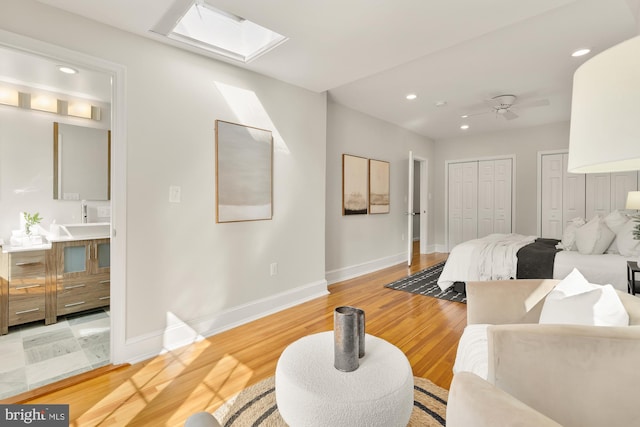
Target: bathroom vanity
column 69, row 274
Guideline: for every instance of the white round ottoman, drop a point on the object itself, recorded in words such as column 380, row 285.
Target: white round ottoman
column 310, row 391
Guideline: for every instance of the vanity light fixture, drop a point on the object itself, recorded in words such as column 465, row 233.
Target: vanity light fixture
column 67, row 70
column 580, row 52
column 412, row 96
column 9, row 96
column 44, row 102
column 79, row 109
column 464, row 127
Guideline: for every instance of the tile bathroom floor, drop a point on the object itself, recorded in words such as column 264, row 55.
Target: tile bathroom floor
column 36, row 354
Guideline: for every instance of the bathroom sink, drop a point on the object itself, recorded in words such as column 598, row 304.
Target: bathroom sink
column 94, row 230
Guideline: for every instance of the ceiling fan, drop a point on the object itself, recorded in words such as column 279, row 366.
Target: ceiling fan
column 502, row 105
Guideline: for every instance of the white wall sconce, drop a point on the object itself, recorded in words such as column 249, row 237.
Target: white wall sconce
column 44, row 102
column 9, row 96
column 604, row 133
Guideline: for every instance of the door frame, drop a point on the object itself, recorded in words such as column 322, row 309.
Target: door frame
column 118, row 247
column 424, row 203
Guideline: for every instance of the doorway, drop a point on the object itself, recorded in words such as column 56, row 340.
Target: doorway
column 417, row 214
column 113, row 74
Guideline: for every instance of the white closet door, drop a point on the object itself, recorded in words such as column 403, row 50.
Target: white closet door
column 455, row 204
column 470, row 201
column 621, row 184
column 573, row 195
column 503, row 183
column 486, row 199
column 598, row 195
column 552, row 195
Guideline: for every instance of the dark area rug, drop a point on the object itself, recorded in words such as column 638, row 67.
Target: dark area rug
column 425, row 283
column 256, row 406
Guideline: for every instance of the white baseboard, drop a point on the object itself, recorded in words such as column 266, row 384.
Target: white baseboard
column 178, row 333
column 346, row 273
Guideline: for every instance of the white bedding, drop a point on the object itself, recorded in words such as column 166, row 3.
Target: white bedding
column 489, row 258
column 494, row 258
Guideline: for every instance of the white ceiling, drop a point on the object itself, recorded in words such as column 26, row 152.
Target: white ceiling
column 370, row 53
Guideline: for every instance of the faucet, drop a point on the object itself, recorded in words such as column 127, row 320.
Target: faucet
column 83, row 211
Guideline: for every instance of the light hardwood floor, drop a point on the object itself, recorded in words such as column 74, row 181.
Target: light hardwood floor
column 165, row 390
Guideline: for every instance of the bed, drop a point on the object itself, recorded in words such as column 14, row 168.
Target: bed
column 605, row 245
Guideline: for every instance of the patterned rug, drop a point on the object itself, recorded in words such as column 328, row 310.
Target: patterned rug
column 425, row 283
column 256, row 406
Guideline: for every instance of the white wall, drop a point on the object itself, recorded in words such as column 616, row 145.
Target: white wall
column 361, row 243
column 26, row 169
column 524, row 143
column 181, row 266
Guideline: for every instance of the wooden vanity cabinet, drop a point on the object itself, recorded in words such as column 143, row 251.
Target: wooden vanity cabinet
column 25, row 288
column 83, row 275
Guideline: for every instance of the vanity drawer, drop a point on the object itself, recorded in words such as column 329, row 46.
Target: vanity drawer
column 78, row 295
column 26, row 265
column 26, row 305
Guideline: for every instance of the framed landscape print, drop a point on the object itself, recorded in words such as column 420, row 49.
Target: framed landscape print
column 378, row 187
column 354, row 185
column 244, row 173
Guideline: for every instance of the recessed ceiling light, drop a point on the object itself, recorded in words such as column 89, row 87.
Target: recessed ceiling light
column 580, row 52
column 67, row 70
column 464, row 116
column 412, row 96
column 464, row 127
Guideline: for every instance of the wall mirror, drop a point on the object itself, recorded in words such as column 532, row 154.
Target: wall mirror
column 81, row 163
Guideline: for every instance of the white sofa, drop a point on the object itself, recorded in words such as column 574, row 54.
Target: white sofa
column 546, row 375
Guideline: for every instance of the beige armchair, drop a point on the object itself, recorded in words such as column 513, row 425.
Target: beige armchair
column 547, row 375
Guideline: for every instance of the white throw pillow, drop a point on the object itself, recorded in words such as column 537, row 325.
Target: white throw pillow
column 575, row 301
column 615, row 221
column 627, row 245
column 594, row 237
column 568, row 242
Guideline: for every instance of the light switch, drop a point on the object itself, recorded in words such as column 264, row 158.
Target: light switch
column 174, row 194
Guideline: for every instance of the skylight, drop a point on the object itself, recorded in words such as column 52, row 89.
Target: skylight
column 220, row 32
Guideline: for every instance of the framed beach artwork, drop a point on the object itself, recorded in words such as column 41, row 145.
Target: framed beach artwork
column 378, row 187
column 244, row 173
column 354, row 185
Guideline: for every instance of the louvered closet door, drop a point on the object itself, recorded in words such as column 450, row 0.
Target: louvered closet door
column 573, row 194
column 552, row 194
column 621, row 184
column 503, row 183
column 455, row 204
column 469, row 201
column 486, row 199
column 598, row 195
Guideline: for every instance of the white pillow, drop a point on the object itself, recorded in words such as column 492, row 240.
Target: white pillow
column 627, row 245
column 568, row 242
column 615, row 221
column 575, row 301
column 594, row 237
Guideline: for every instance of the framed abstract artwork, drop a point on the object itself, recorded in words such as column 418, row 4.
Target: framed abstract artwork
column 378, row 187
column 354, row 185
column 244, row 173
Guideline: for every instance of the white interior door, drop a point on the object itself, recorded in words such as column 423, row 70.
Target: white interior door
column 410, row 211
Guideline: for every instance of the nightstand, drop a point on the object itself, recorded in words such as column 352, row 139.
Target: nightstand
column 632, row 269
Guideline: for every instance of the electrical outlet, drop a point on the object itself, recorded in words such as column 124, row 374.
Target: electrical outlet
column 174, row 194
column 273, row 268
